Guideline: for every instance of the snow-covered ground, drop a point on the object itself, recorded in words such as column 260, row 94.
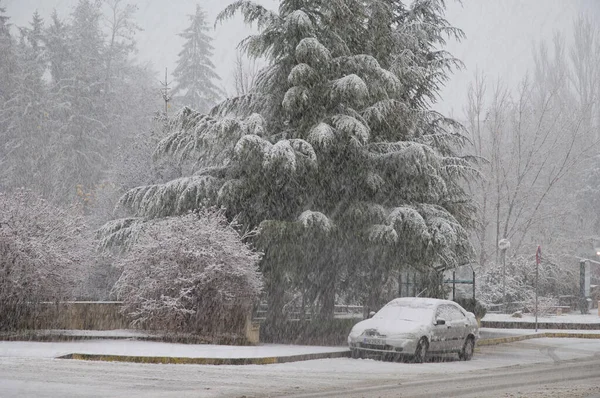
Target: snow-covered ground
column 102, row 342
column 151, row 348
column 24, row 375
column 30, row 349
column 592, row 317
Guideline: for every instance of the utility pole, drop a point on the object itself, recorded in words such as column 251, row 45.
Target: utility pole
column 165, row 93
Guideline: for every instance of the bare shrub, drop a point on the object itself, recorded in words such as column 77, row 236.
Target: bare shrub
column 44, row 251
column 187, row 273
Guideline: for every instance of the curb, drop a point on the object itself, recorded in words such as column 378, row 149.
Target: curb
column 512, row 339
column 206, row 361
column 541, row 325
column 505, row 340
column 576, row 335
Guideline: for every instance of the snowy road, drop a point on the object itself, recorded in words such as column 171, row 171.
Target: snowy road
column 546, row 367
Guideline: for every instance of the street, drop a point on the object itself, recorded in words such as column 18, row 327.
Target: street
column 534, row 368
column 564, row 379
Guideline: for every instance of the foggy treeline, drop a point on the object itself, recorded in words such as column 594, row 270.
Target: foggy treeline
column 74, row 101
column 540, row 143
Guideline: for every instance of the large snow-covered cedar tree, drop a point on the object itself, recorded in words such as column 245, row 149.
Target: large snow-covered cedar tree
column 335, row 155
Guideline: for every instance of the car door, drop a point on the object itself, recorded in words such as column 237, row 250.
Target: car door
column 441, row 333
column 458, row 328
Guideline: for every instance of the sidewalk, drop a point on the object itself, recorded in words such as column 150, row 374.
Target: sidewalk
column 122, row 348
column 572, row 321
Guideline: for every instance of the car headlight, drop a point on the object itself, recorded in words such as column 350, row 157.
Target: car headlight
column 354, row 333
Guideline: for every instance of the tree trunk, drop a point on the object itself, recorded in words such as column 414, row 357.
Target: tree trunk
column 275, row 301
column 328, row 296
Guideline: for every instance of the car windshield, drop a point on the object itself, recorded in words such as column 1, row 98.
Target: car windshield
column 405, row 313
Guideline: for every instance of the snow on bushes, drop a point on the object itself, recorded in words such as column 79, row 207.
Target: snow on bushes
column 44, row 252
column 187, row 274
column 555, row 279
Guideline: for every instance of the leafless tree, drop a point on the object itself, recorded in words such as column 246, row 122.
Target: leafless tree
column 536, row 141
column 121, row 29
column 245, row 73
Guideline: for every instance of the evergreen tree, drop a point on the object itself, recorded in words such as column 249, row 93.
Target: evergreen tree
column 338, row 160
column 6, row 49
column 195, row 73
column 57, row 51
column 35, row 33
column 80, row 151
column 4, row 25
column 25, row 111
column 81, row 119
column 7, row 68
column 32, row 49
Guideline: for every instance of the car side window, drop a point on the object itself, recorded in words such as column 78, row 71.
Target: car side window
column 449, row 313
column 444, row 311
column 456, row 314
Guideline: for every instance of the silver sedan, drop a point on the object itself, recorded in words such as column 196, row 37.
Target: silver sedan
column 413, row 326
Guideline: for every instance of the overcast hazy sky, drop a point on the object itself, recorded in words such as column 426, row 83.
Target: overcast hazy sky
column 500, row 34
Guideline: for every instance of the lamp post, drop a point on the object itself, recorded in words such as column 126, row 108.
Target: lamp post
column 583, row 306
column 503, row 245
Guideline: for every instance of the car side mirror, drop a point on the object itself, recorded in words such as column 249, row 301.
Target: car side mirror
column 371, row 314
column 440, row 321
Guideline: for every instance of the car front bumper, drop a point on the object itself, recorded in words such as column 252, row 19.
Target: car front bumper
column 390, row 345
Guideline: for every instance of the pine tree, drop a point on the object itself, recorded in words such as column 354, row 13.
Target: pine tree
column 80, row 152
column 4, row 25
column 25, row 110
column 338, row 160
column 56, row 48
column 195, row 73
column 7, row 69
column 6, row 49
column 86, row 40
column 35, row 33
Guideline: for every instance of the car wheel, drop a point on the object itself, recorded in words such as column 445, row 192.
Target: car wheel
column 467, row 351
column 421, row 350
column 357, row 354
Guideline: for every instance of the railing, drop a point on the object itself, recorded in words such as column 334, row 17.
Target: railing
column 510, row 307
column 295, row 313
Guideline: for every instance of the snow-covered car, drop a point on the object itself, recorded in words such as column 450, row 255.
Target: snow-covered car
column 414, row 327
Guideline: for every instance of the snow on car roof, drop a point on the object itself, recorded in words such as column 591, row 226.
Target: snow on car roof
column 418, row 302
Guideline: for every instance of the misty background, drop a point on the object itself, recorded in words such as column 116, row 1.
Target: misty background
column 499, row 35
